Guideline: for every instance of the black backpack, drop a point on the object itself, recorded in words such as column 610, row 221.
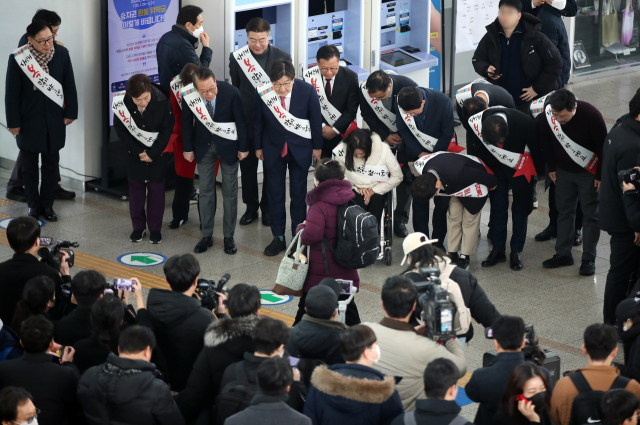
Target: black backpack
column 586, row 406
column 235, row 396
column 358, row 240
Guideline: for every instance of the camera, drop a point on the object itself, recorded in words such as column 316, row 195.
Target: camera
column 208, row 291
column 437, row 309
column 51, row 254
column 630, row 176
column 531, row 350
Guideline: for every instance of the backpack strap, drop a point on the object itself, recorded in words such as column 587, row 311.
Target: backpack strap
column 580, row 382
column 620, row 383
column 410, row 418
column 241, row 374
column 459, row 420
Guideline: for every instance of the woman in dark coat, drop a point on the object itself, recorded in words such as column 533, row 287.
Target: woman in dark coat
column 149, row 109
column 322, row 221
column 39, row 120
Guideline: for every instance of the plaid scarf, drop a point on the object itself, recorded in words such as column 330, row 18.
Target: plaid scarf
column 43, row 59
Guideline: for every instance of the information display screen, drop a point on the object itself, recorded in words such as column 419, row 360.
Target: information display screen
column 397, row 58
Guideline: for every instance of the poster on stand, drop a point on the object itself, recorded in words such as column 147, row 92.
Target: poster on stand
column 472, row 16
column 580, row 58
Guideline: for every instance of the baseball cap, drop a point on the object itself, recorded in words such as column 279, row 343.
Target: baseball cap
column 413, row 242
column 333, row 284
column 321, row 302
column 626, row 310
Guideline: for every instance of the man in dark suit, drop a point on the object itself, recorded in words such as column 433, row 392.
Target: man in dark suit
column 338, row 86
column 382, row 89
column 263, row 55
column 224, row 105
column 287, row 141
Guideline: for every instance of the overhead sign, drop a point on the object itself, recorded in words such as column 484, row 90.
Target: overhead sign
column 4, row 223
column 269, row 298
column 142, row 259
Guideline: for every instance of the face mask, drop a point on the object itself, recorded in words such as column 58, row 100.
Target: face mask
column 538, row 399
column 377, row 351
column 315, row 182
column 196, row 33
column 626, row 326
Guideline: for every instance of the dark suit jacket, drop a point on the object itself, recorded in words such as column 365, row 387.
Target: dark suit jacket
column 74, row 327
column 344, row 96
column 247, row 91
column 368, row 114
column 457, row 172
column 175, row 49
column 197, row 138
column 270, row 136
column 53, row 386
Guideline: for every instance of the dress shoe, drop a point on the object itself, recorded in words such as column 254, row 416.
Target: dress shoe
column 204, row 244
column 547, row 234
column 463, row 262
column 515, row 262
column 248, row 217
column 494, row 258
column 400, row 229
column 275, row 247
column 17, row 194
column 577, row 239
column 587, row 268
column 230, row 246
column 175, row 223
column 558, row 261
column 48, row 213
column 266, row 219
column 535, row 200
column 137, row 235
column 33, row 212
column 65, row 195
column 155, row 237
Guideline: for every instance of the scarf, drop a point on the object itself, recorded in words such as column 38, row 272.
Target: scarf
column 43, row 59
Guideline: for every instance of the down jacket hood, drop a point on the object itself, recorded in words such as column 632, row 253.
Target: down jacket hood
column 123, row 380
column 224, row 330
column 170, row 308
column 333, row 191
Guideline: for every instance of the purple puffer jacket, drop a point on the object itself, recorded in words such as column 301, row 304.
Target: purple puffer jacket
column 322, row 221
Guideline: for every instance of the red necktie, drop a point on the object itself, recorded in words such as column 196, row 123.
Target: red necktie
column 284, row 151
column 327, row 90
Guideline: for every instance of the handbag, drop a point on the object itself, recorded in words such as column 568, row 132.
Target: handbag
column 627, row 24
column 292, row 272
column 610, row 25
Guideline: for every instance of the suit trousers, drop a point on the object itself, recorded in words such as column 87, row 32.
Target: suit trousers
column 16, row 179
column 624, row 261
column 462, row 228
column 499, row 198
column 207, row 201
column 249, row 178
column 421, row 219
column 153, row 194
column 553, row 210
column 42, row 198
column 276, row 191
column 375, row 206
column 571, row 187
column 182, row 197
column 403, row 192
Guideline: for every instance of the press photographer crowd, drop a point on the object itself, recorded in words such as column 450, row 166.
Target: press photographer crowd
column 87, row 350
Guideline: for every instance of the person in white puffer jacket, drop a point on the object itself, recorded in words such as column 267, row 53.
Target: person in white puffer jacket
column 371, row 167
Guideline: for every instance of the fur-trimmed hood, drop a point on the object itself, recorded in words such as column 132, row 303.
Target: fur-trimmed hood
column 349, row 384
column 223, row 330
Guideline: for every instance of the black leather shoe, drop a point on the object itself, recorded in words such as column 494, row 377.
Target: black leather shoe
column 203, row 245
column 60, row 193
column 494, row 258
column 175, row 223
column 547, row 234
column 515, row 261
column 230, row 246
column 463, row 262
column 587, row 268
column 275, row 247
column 248, row 217
column 48, row 213
column 33, row 212
column 577, row 240
column 558, row 261
column 266, row 219
column 17, row 194
column 400, row 230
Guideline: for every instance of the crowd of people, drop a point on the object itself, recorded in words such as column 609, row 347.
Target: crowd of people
column 77, row 350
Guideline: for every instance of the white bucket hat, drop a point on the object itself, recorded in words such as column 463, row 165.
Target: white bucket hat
column 413, row 242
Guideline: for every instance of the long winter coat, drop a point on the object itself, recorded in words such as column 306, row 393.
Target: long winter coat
column 322, row 222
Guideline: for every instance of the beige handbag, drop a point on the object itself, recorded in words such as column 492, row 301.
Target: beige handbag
column 610, row 25
column 292, row 272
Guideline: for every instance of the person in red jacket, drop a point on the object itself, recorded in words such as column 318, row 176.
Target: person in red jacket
column 331, row 191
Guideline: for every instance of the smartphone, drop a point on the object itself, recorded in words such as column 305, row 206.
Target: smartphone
column 45, row 241
column 446, row 320
column 492, row 74
column 293, row 361
column 522, row 398
column 488, row 333
column 123, row 284
column 346, row 286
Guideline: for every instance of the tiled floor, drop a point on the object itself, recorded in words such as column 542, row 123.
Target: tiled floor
column 558, row 302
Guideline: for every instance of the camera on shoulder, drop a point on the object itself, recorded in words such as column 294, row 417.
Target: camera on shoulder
column 437, row 310
column 50, row 252
column 208, row 291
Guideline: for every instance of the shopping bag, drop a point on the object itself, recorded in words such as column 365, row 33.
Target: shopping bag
column 627, row 24
column 610, row 25
column 293, row 271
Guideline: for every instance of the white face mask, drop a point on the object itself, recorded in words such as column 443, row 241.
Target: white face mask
column 196, row 33
column 315, row 182
column 626, row 326
column 377, row 351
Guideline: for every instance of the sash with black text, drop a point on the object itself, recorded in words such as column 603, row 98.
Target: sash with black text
column 120, row 110
column 192, row 98
column 40, row 79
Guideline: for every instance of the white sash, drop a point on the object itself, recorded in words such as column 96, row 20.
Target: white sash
column 427, row 142
column 465, row 92
column 387, row 117
column 329, row 112
column 508, row 158
column 40, row 79
column 475, row 190
column 580, row 155
column 176, row 86
column 118, row 107
column 251, row 67
column 226, row 130
column 293, row 124
column 377, row 173
column 537, row 106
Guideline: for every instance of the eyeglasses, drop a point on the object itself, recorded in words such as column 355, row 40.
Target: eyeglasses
column 211, row 90
column 30, row 421
column 262, row 41
column 278, row 85
column 334, row 69
column 45, row 42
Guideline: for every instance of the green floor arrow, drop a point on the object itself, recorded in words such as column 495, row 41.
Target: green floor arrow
column 270, row 298
column 143, row 259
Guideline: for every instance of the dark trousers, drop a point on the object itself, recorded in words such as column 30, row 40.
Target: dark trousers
column 553, row 210
column 249, row 179
column 499, row 198
column 624, row 261
column 16, row 179
column 151, row 193
column 182, row 197
column 421, row 219
column 329, row 145
column 276, row 174
column 42, row 198
column 403, row 193
column 376, row 204
column 351, row 317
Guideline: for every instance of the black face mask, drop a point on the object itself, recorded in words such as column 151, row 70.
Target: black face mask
column 538, row 400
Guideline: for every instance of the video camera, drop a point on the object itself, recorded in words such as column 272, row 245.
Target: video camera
column 112, row 289
column 437, row 309
column 531, row 350
column 51, row 252
column 208, row 291
column 630, row 176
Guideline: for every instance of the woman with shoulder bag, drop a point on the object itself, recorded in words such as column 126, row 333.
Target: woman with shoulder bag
column 322, row 223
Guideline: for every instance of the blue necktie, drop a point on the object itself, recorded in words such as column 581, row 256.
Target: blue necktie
column 210, row 108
